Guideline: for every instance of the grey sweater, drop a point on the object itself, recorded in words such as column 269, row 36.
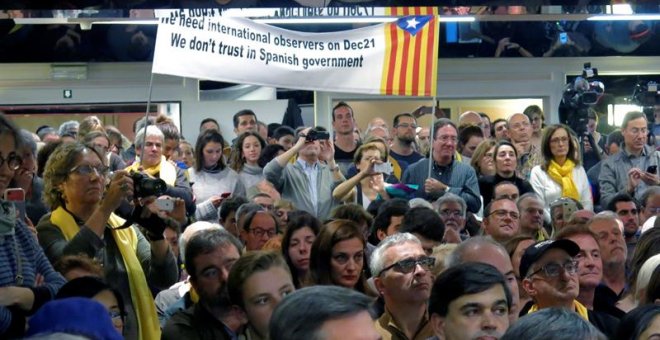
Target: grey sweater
column 292, row 182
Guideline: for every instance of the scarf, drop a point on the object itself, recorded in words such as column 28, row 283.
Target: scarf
column 579, row 308
column 564, row 176
column 164, row 170
column 126, row 239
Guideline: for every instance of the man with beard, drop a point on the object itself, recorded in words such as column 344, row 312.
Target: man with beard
column 470, row 301
column 529, row 155
column 550, row 278
column 628, row 211
column 309, row 181
column 402, row 276
column 403, row 130
column 609, row 230
column 530, row 207
column 209, row 255
column 447, row 174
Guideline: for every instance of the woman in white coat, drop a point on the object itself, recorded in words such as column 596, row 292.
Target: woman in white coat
column 561, row 174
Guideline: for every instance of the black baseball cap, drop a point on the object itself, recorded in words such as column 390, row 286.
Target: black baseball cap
column 537, row 250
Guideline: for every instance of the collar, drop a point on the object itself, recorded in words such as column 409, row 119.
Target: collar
column 389, row 324
column 307, row 166
column 444, row 167
column 628, row 156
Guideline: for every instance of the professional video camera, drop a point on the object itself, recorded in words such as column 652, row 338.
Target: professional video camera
column 578, row 97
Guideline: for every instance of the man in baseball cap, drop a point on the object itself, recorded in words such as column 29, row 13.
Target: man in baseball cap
column 549, row 272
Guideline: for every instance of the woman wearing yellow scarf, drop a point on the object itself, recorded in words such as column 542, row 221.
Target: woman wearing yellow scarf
column 561, row 174
column 82, row 221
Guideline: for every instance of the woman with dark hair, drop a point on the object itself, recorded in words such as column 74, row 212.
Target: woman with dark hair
column 537, row 119
column 211, row 177
column 641, row 323
column 83, row 197
column 21, row 257
column 561, row 174
column 94, row 288
column 25, row 177
column 100, row 139
column 297, row 243
column 245, row 158
column 505, row 158
column 337, row 256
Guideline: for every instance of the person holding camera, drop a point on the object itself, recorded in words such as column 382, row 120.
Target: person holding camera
column 305, row 182
column 82, row 196
column 368, row 184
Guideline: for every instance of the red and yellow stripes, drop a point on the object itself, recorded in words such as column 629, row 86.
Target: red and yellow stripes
column 410, row 66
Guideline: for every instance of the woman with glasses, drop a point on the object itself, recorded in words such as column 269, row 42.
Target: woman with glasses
column 482, row 159
column 21, row 258
column 537, row 119
column 25, row 177
column 245, row 158
column 337, row 256
column 83, row 196
column 211, row 177
column 100, row 140
column 95, row 289
column 561, row 174
column 505, row 157
column 297, row 241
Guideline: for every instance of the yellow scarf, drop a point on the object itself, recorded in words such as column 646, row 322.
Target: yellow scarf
column 579, row 308
column 165, row 170
column 126, row 239
column 564, row 176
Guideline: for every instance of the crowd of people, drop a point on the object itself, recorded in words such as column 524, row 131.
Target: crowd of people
column 468, row 229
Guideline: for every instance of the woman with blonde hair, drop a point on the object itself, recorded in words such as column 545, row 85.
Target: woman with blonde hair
column 482, row 159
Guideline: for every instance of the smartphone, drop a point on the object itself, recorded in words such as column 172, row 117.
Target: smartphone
column 653, row 169
column 384, row 168
column 17, row 196
column 225, row 194
column 563, row 38
column 568, row 208
column 165, row 204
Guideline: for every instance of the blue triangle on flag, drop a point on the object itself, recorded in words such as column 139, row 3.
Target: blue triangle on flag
column 413, row 24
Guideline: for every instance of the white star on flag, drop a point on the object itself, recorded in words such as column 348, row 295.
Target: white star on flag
column 412, row 23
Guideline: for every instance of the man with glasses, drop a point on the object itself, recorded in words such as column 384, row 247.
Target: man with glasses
column 650, row 207
column 501, row 220
column 530, row 207
column 529, row 155
column 402, row 277
column 452, row 209
column 635, row 167
column 447, row 174
column 628, row 211
column 404, row 129
column 551, row 280
column 257, row 228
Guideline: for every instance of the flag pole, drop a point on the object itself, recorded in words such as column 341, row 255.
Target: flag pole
column 431, row 136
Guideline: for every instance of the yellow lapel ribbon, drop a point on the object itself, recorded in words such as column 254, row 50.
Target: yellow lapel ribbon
column 564, row 176
column 126, row 240
column 579, row 308
column 165, row 170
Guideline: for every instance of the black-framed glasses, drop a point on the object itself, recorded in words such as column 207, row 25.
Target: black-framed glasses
column 449, row 213
column 407, row 266
column 13, row 161
column 501, row 213
column 553, row 269
column 259, row 232
column 86, row 170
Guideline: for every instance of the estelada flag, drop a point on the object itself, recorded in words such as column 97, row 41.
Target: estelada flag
column 410, row 67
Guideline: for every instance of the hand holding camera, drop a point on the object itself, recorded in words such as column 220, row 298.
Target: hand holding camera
column 119, row 188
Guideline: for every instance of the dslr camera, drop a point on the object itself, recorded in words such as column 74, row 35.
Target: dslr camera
column 144, row 186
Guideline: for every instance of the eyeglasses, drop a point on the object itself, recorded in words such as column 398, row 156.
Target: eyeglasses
column 450, row 213
column 653, row 210
column 259, row 232
column 408, row 265
column 87, row 170
column 13, row 162
column 553, row 269
column 559, row 140
column 501, row 213
column 114, row 315
column 406, row 125
column 636, row 131
column 445, row 139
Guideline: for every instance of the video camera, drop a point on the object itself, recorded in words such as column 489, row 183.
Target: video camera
column 646, row 94
column 578, row 96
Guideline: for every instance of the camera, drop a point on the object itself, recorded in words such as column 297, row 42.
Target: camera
column 646, row 94
column 144, row 186
column 578, row 96
column 315, row 134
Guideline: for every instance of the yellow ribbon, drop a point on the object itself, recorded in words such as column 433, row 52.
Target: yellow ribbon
column 579, row 308
column 126, row 239
column 564, row 176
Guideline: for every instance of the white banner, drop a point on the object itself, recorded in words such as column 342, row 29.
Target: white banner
column 239, row 50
